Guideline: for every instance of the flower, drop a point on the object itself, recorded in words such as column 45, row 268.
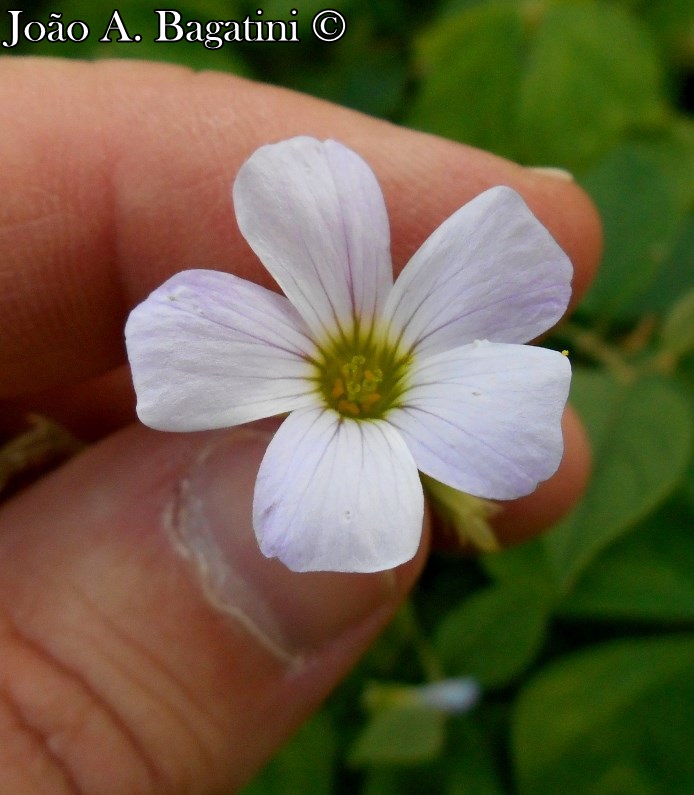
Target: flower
column 379, row 379
column 453, row 696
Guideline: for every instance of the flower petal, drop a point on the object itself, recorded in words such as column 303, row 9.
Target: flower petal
column 314, row 214
column 486, row 418
column 491, row 271
column 337, row 494
column 210, row 350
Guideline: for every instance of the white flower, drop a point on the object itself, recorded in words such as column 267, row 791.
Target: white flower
column 380, row 379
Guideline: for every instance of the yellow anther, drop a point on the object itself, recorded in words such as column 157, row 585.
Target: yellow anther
column 369, row 400
column 348, row 407
column 565, row 353
column 351, row 378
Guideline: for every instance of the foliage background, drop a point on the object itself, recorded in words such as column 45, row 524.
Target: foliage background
column 583, row 640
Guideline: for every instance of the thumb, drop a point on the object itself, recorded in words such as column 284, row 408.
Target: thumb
column 147, row 645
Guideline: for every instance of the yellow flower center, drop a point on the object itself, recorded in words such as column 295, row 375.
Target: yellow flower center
column 361, row 377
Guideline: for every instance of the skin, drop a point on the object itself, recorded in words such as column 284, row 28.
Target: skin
column 126, row 668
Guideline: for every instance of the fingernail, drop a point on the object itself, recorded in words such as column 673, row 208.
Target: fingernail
column 209, row 521
column 551, row 171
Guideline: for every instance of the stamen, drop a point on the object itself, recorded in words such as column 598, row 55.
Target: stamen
column 338, row 389
column 370, row 400
column 360, row 378
column 347, row 407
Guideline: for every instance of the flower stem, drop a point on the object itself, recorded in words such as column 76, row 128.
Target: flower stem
column 426, row 655
column 593, row 345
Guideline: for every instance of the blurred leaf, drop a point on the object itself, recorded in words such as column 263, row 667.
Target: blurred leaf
column 688, row 491
column 524, row 568
column 453, row 7
column 672, row 155
column 614, row 719
column 592, row 74
column 408, row 780
column 671, row 150
column 469, row 67
column 676, row 275
column 384, row 781
column 470, row 767
column 641, row 434
column 306, row 764
column 400, row 736
column 685, row 376
column 649, row 575
column 673, row 21
column 678, row 328
column 493, row 635
column 642, row 214
column 365, row 75
column 526, row 562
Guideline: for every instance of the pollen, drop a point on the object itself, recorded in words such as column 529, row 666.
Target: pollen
column 360, row 377
column 348, row 407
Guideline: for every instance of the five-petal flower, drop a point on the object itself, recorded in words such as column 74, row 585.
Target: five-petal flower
column 379, row 379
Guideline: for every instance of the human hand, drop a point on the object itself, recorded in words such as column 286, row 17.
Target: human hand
column 147, row 646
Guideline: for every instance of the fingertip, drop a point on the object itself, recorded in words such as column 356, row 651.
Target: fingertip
column 574, row 221
column 448, row 174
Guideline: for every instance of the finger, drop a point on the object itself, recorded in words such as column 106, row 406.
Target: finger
column 116, row 175
column 90, row 410
column 147, row 645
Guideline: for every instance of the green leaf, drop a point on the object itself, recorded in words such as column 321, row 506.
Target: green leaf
column 470, row 767
column 672, row 151
column 495, row 634
column 592, row 75
column 364, row 74
column 676, row 275
column 400, row 736
column 685, row 374
column 526, row 562
column 673, row 21
column 641, row 434
column 688, row 491
column 642, row 214
column 469, row 77
column 306, row 764
column 384, row 781
column 678, row 328
column 649, row 575
column 614, row 719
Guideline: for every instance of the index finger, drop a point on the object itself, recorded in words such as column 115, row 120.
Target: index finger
column 117, row 175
